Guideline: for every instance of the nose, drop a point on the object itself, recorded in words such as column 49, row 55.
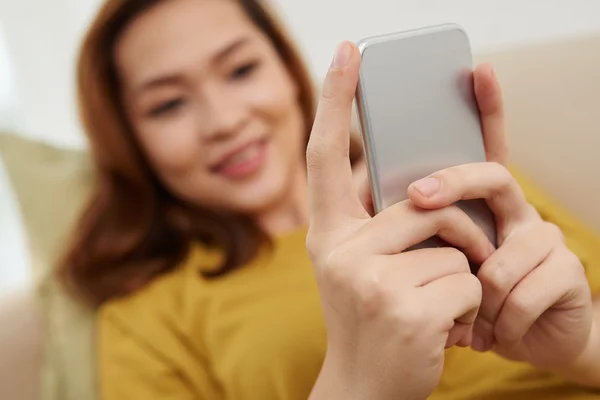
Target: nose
column 225, row 113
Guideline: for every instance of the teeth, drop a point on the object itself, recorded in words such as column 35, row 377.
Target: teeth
column 245, row 155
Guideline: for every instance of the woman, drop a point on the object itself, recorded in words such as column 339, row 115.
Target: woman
column 193, row 248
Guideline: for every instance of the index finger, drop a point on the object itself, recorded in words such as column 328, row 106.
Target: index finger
column 491, row 111
column 332, row 197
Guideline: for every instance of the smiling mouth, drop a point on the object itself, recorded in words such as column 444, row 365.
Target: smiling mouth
column 243, row 163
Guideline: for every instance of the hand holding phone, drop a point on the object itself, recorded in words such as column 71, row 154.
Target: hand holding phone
column 389, row 313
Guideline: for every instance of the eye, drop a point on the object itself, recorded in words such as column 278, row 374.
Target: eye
column 244, row 70
column 167, row 107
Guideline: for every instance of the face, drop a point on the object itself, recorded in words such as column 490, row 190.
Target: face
column 212, row 105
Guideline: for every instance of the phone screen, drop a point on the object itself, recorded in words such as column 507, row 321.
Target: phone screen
column 418, row 113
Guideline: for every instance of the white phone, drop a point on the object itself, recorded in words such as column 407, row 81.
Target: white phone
column 418, row 114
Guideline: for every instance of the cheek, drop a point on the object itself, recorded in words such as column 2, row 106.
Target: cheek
column 275, row 101
column 176, row 154
column 172, row 145
column 273, row 93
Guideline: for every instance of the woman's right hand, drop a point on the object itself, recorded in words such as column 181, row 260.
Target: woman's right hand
column 389, row 314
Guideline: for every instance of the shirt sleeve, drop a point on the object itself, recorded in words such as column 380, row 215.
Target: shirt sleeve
column 580, row 238
column 130, row 368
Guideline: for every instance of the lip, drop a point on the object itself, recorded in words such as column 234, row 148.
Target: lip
column 245, row 167
column 224, row 159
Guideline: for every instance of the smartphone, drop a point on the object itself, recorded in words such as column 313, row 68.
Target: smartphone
column 418, row 114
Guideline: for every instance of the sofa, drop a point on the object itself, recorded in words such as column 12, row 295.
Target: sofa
column 552, row 103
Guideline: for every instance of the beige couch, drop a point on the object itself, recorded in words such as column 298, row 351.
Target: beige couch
column 21, row 336
column 551, row 92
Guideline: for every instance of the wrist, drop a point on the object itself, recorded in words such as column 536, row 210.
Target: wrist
column 585, row 369
column 332, row 382
column 339, row 380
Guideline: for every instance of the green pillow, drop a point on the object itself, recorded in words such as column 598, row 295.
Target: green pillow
column 52, row 185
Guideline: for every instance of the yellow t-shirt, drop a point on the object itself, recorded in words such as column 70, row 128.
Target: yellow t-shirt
column 258, row 333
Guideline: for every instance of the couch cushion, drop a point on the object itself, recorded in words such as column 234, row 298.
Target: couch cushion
column 552, row 105
column 52, row 185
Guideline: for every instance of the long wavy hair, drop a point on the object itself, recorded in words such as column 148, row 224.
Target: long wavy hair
column 133, row 229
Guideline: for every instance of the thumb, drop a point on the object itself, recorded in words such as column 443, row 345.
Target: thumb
column 331, row 187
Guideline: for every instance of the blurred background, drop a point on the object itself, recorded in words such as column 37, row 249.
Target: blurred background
column 39, row 40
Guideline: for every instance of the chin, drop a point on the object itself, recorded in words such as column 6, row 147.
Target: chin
column 261, row 196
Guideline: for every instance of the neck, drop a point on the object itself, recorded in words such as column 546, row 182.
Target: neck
column 290, row 212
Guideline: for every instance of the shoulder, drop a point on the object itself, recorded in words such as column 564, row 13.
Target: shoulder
column 151, row 343
column 164, row 300
column 147, row 327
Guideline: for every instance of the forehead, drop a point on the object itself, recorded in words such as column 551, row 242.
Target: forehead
column 177, row 33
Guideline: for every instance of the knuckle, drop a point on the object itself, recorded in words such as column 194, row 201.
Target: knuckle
column 472, row 290
column 336, row 277
column 503, row 176
column 366, row 291
column 373, row 298
column 519, row 306
column 495, row 276
column 324, row 144
column 338, row 270
column 531, row 213
column 410, row 318
column 553, row 231
column 326, row 253
column 328, row 91
column 573, row 259
column 473, row 287
column 340, row 257
column 457, row 258
column 451, row 174
column 506, row 336
column 403, row 207
column 500, row 170
column 398, row 211
column 451, row 217
column 573, row 262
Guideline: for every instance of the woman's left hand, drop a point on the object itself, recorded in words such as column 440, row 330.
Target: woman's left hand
column 537, row 305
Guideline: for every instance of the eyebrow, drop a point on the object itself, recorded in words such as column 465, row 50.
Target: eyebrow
column 170, row 79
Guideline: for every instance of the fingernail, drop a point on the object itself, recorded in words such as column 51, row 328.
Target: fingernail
column 428, row 186
column 342, row 56
column 478, row 344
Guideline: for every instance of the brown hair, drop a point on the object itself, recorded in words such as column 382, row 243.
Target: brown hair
column 133, row 229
